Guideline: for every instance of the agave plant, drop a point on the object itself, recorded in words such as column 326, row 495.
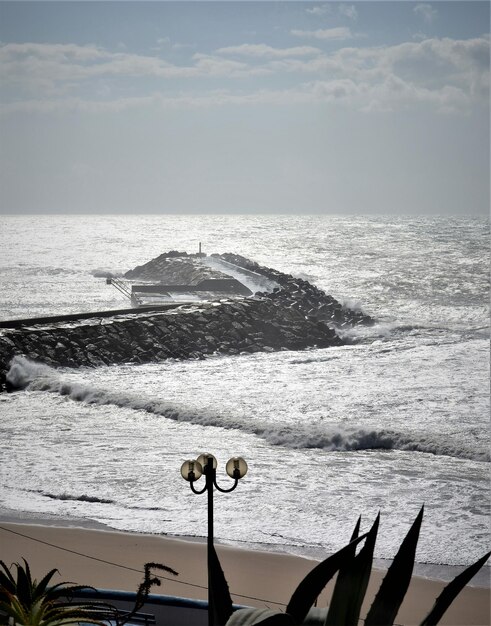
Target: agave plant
column 24, row 600
column 353, row 572
column 31, row 603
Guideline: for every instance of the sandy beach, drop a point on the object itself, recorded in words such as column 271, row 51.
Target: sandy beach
column 114, row 560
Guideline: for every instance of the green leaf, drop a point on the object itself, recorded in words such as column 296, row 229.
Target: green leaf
column 451, row 591
column 61, row 590
column 41, row 586
column 352, row 583
column 6, row 579
column 396, row 582
column 24, row 586
column 356, row 532
column 30, row 603
column 341, row 593
column 280, row 619
column 315, row 617
column 263, row 616
column 219, row 593
column 307, row 591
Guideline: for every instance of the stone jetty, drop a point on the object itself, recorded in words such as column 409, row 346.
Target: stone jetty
column 301, row 295
column 293, row 316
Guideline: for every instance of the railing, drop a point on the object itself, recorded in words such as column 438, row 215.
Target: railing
column 126, row 290
column 120, row 286
column 159, row 609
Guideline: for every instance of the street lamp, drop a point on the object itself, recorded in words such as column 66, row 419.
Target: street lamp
column 192, row 470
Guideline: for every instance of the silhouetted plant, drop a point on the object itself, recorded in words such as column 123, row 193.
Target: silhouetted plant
column 350, row 588
column 144, row 589
column 27, row 602
column 24, row 600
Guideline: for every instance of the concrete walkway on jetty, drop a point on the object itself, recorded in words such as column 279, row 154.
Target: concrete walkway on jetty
column 75, row 317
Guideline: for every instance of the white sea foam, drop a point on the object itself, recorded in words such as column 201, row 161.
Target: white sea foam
column 38, row 377
column 22, row 372
column 396, row 418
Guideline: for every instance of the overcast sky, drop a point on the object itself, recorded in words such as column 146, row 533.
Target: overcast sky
column 244, row 107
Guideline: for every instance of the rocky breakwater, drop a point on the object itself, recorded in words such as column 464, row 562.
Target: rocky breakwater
column 227, row 327
column 301, row 295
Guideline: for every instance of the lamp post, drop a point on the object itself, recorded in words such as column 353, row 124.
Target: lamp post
column 192, row 470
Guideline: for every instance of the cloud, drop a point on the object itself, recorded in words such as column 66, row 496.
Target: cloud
column 432, row 62
column 323, row 9
column 348, row 10
column 426, row 11
column 211, row 65
column 338, row 33
column 183, row 46
column 392, row 94
column 268, row 52
column 437, row 62
column 35, row 67
column 51, row 51
column 446, row 74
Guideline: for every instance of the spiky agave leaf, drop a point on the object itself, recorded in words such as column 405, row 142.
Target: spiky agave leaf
column 451, row 591
column 338, row 598
column 27, row 602
column 352, row 583
column 41, row 586
column 396, row 582
column 279, row 619
column 91, row 613
column 59, row 598
column 52, row 613
column 75, row 619
column 13, row 609
column 24, row 584
column 64, row 589
column 7, row 581
column 220, row 594
column 17, row 611
column 311, row 586
column 263, row 617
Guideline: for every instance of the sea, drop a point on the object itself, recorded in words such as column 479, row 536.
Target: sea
column 395, row 419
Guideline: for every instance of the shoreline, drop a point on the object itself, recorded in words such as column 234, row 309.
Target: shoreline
column 438, row 572
column 110, row 559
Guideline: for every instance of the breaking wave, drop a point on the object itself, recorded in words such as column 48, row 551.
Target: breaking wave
column 96, row 500
column 41, row 271
column 98, row 273
column 67, row 497
column 35, row 377
column 82, row 498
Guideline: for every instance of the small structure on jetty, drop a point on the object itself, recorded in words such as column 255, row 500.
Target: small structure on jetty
column 185, row 278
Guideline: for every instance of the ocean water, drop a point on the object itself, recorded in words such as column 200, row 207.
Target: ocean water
column 395, row 419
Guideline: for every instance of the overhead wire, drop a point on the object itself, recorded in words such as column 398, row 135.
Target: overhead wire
column 131, row 569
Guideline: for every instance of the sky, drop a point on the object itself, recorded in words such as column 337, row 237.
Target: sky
column 244, row 107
